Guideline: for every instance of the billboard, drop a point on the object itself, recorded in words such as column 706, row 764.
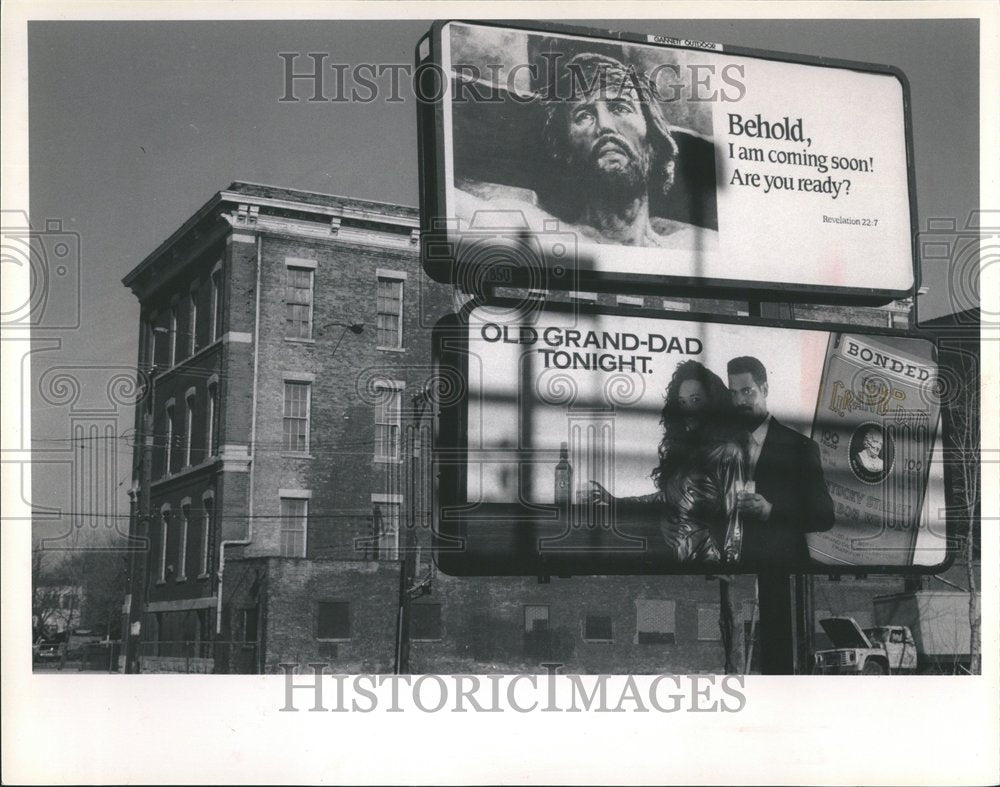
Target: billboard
column 568, row 160
column 579, row 440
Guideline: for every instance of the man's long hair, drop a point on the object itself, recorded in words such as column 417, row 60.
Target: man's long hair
column 716, row 422
column 593, row 69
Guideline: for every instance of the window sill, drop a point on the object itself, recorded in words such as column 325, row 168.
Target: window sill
column 387, row 461
column 391, row 349
column 203, row 575
column 171, row 367
column 297, row 340
column 185, row 471
column 161, row 582
column 296, row 455
column 328, row 639
column 181, row 579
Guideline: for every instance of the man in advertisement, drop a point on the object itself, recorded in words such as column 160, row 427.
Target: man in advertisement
column 786, row 495
column 613, row 145
column 610, row 157
column 870, row 456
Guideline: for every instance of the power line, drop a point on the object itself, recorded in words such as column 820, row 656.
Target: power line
column 310, row 515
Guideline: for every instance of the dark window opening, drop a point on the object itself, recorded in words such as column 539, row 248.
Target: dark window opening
column 334, row 620
column 597, row 627
column 425, row 621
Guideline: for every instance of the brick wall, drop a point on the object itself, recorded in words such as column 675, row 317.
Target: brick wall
column 340, row 469
column 288, row 592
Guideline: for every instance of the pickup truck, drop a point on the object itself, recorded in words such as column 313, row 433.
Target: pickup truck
column 879, row 650
column 922, row 631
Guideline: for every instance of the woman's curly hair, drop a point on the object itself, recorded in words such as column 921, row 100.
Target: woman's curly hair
column 716, row 420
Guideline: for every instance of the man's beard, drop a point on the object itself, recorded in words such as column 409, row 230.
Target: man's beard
column 617, row 184
column 749, row 419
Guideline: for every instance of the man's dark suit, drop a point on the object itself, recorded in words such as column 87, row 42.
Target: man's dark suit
column 789, row 476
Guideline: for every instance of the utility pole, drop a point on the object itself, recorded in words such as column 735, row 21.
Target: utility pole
column 409, row 588
column 139, row 549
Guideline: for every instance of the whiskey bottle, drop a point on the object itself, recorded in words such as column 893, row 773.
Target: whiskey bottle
column 564, row 476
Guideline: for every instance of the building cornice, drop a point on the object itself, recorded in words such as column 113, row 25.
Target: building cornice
column 250, row 207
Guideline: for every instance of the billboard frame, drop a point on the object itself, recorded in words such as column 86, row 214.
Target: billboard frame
column 433, row 184
column 450, row 452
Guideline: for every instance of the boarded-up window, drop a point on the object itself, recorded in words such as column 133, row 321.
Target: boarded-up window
column 597, row 628
column 654, row 621
column 295, row 424
column 216, row 305
column 249, row 624
column 294, row 513
column 389, row 313
column 333, row 620
column 537, row 636
column 536, row 618
column 708, row 622
column 425, row 621
column 387, row 533
column 387, row 420
column 298, row 303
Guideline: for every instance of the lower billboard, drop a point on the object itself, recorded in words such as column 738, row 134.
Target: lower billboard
column 583, row 440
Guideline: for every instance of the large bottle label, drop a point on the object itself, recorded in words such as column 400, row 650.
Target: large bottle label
column 876, row 422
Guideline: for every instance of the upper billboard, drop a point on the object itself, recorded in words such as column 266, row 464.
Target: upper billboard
column 584, row 441
column 564, row 159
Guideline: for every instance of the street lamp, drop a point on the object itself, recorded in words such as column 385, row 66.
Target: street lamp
column 355, row 328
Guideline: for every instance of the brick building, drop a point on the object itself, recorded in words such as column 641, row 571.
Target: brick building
column 283, row 334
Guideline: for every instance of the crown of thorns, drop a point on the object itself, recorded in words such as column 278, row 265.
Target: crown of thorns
column 589, row 72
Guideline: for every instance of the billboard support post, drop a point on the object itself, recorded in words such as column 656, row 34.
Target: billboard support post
column 804, row 622
column 777, row 639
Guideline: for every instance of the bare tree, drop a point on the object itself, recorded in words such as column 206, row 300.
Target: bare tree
column 962, row 414
column 81, row 587
column 49, row 586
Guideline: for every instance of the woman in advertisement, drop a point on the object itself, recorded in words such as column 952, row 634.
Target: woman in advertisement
column 700, row 469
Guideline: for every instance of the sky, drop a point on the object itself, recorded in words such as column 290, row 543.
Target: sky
column 134, row 125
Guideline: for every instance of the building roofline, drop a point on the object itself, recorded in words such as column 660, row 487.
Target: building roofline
column 129, row 279
column 398, row 207
column 266, row 195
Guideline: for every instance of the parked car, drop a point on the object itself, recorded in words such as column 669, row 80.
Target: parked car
column 45, row 650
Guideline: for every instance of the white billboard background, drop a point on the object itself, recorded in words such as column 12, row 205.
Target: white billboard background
column 793, row 358
column 778, row 221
